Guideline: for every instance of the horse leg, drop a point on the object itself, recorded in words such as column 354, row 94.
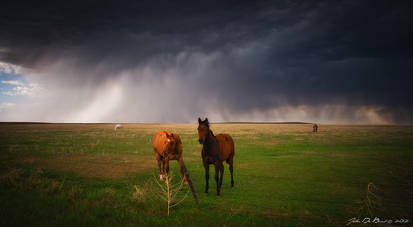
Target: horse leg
column 163, row 174
column 230, row 162
column 217, row 168
column 221, row 170
column 158, row 158
column 206, row 166
column 160, row 170
column 231, row 169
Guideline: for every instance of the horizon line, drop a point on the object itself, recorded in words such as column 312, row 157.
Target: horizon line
column 218, row 122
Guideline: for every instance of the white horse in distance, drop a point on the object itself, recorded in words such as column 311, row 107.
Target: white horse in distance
column 118, row 126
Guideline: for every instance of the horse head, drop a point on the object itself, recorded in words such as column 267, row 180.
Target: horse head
column 203, row 130
column 169, row 142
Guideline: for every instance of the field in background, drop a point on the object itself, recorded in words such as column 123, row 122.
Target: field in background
column 85, row 174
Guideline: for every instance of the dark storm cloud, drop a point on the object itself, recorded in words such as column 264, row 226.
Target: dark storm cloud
column 257, row 55
column 138, row 28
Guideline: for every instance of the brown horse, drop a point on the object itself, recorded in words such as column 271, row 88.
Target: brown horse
column 215, row 150
column 167, row 146
column 315, row 128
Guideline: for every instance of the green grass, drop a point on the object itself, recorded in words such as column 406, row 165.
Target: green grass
column 85, row 174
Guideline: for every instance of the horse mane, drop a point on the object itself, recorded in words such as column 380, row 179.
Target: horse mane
column 210, row 131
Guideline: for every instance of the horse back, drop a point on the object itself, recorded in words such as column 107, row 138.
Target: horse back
column 177, row 153
column 226, row 145
column 158, row 141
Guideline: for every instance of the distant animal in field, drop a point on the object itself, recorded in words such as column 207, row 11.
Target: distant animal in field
column 168, row 146
column 315, row 128
column 118, row 126
column 215, row 150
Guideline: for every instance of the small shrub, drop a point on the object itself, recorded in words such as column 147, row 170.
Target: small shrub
column 139, row 194
column 75, row 193
column 12, row 178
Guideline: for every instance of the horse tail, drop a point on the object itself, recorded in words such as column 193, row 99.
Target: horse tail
column 230, row 158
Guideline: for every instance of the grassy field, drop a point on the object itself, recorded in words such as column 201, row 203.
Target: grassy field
column 85, row 174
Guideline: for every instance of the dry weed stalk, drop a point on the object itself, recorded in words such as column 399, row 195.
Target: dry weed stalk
column 372, row 201
column 168, row 191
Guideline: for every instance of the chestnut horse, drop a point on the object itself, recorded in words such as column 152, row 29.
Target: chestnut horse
column 167, row 146
column 215, row 150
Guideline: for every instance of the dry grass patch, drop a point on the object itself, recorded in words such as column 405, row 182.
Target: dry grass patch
column 11, row 177
column 139, row 194
column 30, row 180
column 96, row 165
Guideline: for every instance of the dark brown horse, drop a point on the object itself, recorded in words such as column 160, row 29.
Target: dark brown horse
column 315, row 128
column 215, row 150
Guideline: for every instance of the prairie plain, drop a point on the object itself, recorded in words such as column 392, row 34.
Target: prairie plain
column 88, row 174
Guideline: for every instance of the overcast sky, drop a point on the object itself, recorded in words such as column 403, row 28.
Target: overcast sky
column 170, row 61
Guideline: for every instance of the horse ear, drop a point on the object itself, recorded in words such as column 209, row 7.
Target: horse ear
column 206, row 120
column 199, row 120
